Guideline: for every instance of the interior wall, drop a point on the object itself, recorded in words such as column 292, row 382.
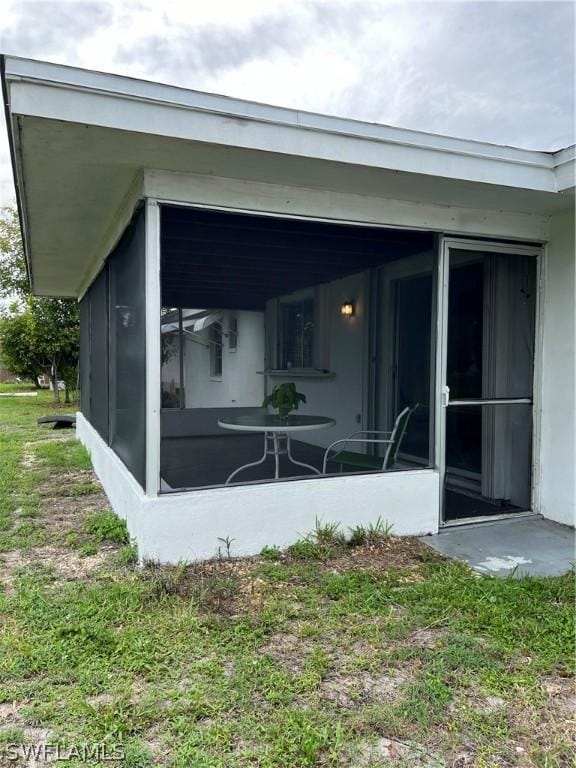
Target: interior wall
column 558, row 394
column 340, row 397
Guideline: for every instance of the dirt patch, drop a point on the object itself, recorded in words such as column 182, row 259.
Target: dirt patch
column 383, row 751
column 363, row 687
column 159, row 749
column 99, row 700
column 288, row 650
column 10, row 714
column 225, row 586
column 426, row 638
column 65, row 564
column 62, row 515
column 395, row 552
column 561, row 695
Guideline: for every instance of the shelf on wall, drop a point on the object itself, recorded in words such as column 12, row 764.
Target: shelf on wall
column 298, row 373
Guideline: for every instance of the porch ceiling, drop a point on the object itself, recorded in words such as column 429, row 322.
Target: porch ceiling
column 238, row 261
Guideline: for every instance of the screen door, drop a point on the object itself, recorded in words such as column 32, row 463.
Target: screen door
column 489, row 316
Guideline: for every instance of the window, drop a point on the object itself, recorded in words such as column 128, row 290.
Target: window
column 296, row 323
column 216, row 350
column 233, row 333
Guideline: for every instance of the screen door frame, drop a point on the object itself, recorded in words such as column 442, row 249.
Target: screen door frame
column 443, row 402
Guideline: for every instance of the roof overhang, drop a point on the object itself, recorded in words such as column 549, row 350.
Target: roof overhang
column 81, row 140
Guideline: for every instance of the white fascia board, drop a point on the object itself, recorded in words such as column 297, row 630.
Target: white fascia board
column 62, row 93
column 565, row 168
column 276, row 199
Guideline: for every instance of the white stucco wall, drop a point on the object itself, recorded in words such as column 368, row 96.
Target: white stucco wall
column 186, row 527
column 558, row 393
column 240, row 384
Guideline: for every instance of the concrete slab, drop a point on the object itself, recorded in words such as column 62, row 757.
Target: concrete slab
column 531, row 545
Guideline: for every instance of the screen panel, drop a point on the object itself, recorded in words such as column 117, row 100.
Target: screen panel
column 127, row 380
column 85, row 361
column 99, row 408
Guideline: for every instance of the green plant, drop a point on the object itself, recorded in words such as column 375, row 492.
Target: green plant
column 370, row 534
column 227, row 542
column 328, row 533
column 271, row 553
column 106, row 526
column 128, row 555
column 87, row 549
column 285, row 399
column 306, row 549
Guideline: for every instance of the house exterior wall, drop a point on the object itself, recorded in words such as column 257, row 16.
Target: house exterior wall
column 558, row 376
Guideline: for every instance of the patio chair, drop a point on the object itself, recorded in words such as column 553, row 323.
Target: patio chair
column 392, row 439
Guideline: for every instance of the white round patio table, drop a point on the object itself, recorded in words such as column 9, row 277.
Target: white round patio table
column 277, row 433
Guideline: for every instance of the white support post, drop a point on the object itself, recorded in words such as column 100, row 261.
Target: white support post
column 153, row 351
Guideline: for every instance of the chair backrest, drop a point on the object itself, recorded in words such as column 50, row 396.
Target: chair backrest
column 398, row 432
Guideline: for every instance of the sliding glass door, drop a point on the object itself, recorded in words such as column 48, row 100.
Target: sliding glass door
column 489, row 297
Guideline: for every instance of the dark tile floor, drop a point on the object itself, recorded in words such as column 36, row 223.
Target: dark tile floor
column 459, row 506
column 192, row 462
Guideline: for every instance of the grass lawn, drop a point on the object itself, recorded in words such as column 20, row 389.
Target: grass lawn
column 377, row 654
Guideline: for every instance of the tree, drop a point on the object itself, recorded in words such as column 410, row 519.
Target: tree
column 13, row 273
column 37, row 335
column 43, row 336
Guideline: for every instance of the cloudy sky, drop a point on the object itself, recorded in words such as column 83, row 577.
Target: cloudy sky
column 495, row 71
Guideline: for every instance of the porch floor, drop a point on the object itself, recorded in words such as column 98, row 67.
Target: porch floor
column 193, row 462
column 533, row 546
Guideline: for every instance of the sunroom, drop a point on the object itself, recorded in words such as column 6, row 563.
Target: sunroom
column 408, row 292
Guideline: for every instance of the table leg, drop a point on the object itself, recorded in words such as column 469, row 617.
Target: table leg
column 253, row 463
column 299, row 463
column 276, row 451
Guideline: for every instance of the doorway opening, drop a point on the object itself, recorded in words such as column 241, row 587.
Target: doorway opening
column 490, row 314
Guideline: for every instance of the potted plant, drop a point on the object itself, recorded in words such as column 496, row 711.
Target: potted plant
column 284, row 398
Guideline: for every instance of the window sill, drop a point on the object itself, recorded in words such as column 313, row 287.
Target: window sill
column 298, row 373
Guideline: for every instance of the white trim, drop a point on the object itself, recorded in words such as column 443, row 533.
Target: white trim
column 280, row 201
column 66, row 93
column 537, row 384
column 481, row 519
column 492, row 247
column 153, row 350
column 441, row 362
column 565, row 168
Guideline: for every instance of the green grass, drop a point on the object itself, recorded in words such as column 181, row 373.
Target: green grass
column 297, row 658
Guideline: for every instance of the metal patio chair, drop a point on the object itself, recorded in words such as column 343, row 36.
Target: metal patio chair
column 362, row 460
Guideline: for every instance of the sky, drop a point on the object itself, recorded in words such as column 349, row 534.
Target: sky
column 501, row 72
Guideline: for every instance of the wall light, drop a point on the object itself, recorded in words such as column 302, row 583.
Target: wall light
column 348, row 309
